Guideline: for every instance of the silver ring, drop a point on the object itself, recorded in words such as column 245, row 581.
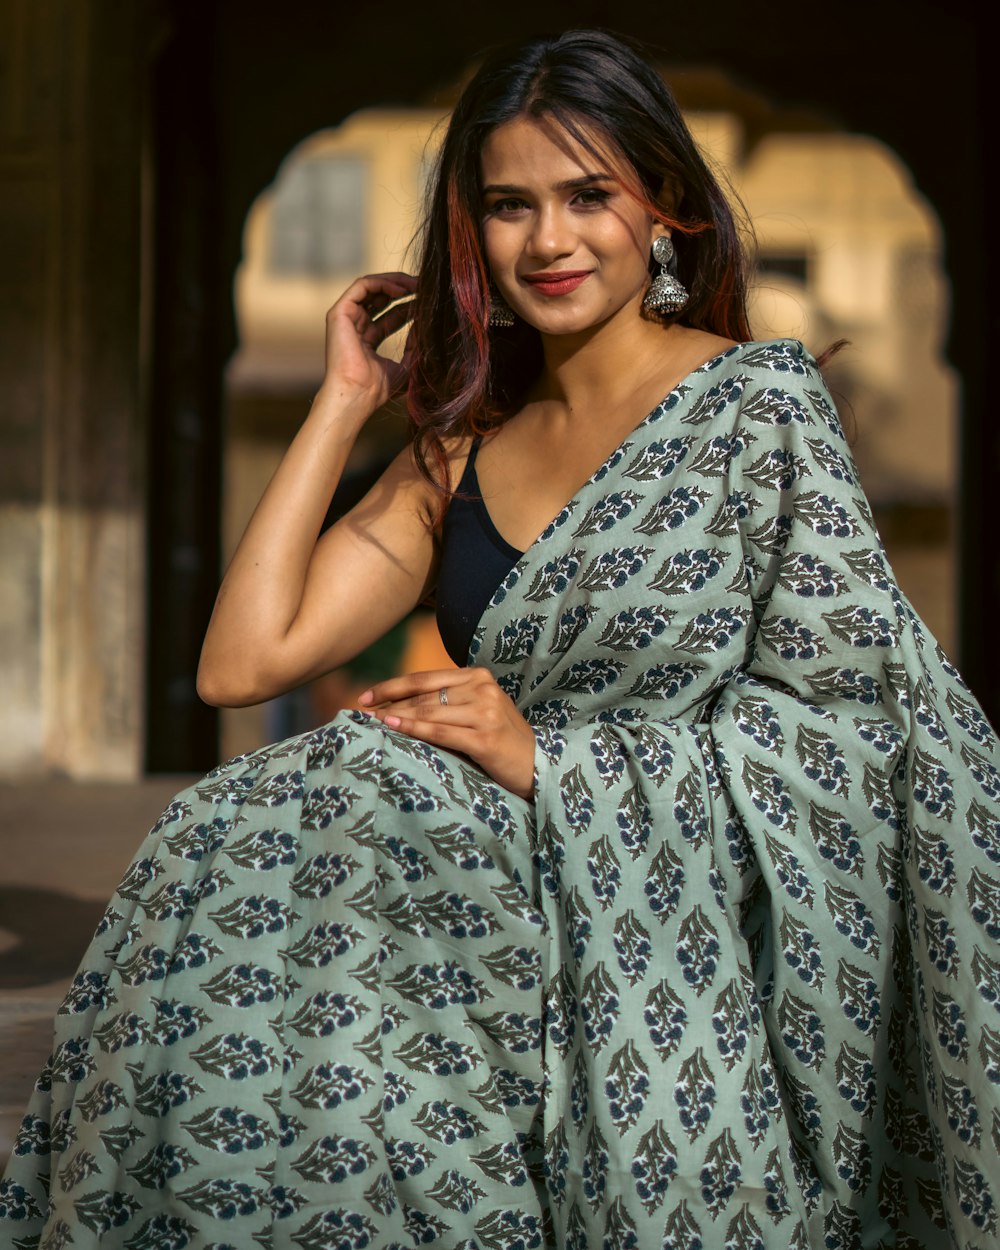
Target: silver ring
column 443, row 696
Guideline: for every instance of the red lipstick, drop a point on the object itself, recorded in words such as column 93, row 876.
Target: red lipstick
column 558, row 282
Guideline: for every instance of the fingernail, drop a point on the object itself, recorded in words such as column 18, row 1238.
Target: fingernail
column 393, row 722
column 367, row 697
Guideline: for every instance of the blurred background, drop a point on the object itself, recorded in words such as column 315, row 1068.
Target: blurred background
column 187, row 186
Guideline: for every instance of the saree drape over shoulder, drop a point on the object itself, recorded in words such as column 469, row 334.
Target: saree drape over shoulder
column 732, row 982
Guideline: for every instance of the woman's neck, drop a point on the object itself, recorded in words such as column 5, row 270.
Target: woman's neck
column 598, row 370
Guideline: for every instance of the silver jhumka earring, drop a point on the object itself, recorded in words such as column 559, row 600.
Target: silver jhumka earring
column 666, row 294
column 501, row 317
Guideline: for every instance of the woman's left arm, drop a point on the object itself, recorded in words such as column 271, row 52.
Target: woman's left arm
column 465, row 711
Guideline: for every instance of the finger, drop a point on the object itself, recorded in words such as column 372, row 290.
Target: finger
column 404, row 687
column 371, row 284
column 427, row 704
column 458, row 709
column 374, row 304
column 387, row 324
column 362, row 292
column 387, row 294
column 458, row 738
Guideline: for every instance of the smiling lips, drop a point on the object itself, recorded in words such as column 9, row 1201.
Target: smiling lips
column 560, row 282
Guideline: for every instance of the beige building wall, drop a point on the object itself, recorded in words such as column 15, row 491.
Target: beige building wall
column 281, row 318
column 846, row 203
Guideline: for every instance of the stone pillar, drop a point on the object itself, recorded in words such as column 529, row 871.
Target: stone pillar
column 71, row 339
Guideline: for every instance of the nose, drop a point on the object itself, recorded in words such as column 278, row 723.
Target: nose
column 552, row 234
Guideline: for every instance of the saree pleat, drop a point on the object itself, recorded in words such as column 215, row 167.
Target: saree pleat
column 732, row 982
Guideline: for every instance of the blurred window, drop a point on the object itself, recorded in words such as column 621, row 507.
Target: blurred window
column 785, row 264
column 319, row 217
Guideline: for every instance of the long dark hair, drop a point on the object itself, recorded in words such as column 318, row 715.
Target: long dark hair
column 465, row 375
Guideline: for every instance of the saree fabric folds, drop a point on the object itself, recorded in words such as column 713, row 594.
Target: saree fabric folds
column 732, row 982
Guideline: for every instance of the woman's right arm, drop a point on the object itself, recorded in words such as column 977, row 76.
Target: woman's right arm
column 291, row 607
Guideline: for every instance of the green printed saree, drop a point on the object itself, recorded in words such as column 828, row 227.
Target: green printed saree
column 732, row 983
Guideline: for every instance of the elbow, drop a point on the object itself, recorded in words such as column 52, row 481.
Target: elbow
column 210, row 690
column 238, row 674
column 221, row 685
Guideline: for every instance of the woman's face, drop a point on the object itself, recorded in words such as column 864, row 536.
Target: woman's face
column 568, row 247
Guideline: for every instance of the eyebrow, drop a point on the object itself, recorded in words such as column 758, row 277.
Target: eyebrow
column 571, row 184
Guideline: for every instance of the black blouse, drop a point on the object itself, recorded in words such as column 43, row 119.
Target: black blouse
column 474, row 561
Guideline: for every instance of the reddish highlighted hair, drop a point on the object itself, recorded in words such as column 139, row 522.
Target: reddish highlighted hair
column 467, row 377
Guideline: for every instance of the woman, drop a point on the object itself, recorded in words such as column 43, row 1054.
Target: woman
column 670, row 919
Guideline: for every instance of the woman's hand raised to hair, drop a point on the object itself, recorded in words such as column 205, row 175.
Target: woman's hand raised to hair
column 478, row 720
column 356, row 326
column 294, row 604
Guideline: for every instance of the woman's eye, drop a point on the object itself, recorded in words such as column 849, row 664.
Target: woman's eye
column 504, row 208
column 591, row 197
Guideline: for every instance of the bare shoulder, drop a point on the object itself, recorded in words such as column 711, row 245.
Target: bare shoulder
column 698, row 347
column 405, row 486
column 401, row 489
column 686, row 351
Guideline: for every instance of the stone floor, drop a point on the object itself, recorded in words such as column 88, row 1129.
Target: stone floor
column 63, row 847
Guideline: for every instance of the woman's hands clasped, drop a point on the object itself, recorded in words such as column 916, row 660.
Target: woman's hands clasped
column 473, row 717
